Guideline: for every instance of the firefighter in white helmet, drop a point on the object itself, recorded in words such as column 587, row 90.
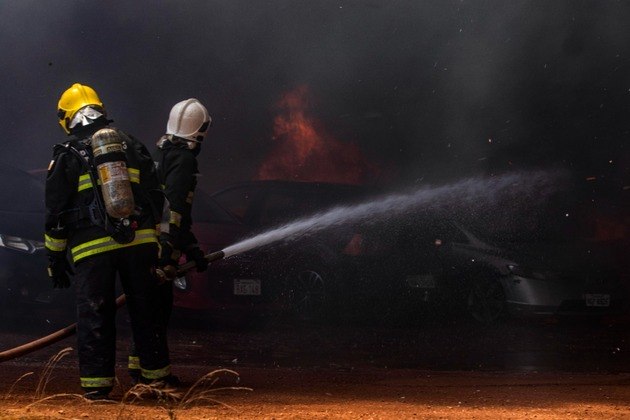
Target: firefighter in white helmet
column 176, row 162
column 83, row 236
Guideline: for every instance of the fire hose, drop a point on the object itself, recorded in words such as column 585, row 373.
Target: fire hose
column 168, row 273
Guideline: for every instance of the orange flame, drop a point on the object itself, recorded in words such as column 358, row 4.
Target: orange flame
column 304, row 152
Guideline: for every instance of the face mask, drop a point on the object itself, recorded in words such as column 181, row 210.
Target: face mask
column 85, row 116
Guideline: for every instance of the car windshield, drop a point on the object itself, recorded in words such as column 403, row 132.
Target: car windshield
column 207, row 210
column 284, row 204
column 235, row 201
column 265, row 204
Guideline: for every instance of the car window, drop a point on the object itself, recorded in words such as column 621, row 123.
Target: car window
column 237, row 201
column 283, row 206
column 206, row 210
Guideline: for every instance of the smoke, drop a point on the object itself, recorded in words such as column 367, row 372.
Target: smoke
column 426, row 90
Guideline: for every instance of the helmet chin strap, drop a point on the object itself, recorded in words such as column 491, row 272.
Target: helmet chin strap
column 196, row 149
column 193, row 145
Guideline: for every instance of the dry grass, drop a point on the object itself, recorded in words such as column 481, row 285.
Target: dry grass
column 204, row 391
column 10, row 391
column 45, row 376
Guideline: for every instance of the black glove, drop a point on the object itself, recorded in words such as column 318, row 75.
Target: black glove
column 59, row 270
column 168, row 254
column 196, row 254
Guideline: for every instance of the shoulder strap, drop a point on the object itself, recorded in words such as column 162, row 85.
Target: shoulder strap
column 96, row 209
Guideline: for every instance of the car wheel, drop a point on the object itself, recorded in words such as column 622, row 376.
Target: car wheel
column 308, row 291
column 486, row 300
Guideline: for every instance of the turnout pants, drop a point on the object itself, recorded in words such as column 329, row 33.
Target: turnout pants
column 163, row 314
column 95, row 281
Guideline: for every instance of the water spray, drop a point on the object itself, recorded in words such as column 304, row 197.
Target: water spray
column 471, row 194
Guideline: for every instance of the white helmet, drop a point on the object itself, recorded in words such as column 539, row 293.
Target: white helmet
column 189, row 120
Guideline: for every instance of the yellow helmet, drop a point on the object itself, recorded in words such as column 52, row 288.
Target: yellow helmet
column 72, row 100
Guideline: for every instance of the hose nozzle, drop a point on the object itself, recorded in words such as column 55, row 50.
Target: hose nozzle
column 215, row 256
column 170, row 273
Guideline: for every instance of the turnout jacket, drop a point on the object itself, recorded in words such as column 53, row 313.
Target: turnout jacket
column 70, row 199
column 177, row 171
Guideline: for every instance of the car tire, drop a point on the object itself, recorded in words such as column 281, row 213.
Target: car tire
column 308, row 290
column 486, row 300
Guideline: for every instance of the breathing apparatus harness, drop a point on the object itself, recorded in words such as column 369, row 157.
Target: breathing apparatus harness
column 121, row 230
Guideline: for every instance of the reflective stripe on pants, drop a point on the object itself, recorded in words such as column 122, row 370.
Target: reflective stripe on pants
column 156, row 373
column 97, row 382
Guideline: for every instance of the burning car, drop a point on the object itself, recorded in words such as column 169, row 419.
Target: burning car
column 426, row 261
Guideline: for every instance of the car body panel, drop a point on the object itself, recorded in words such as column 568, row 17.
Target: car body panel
column 556, row 287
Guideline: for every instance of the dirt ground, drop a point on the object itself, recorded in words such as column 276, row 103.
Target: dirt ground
column 292, row 393
column 349, row 372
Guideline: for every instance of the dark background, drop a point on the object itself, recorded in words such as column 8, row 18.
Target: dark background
column 419, row 91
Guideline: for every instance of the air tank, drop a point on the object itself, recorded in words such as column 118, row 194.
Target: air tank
column 111, row 164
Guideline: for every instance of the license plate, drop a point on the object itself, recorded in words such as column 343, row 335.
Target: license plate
column 597, row 299
column 247, row 287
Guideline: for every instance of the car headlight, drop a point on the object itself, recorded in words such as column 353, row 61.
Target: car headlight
column 16, row 243
column 519, row 270
column 181, row 283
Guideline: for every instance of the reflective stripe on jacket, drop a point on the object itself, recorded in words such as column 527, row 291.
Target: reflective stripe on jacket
column 106, row 243
column 55, row 244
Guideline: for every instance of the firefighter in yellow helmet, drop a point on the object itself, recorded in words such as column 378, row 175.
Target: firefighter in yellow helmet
column 101, row 218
